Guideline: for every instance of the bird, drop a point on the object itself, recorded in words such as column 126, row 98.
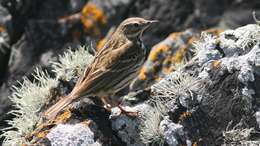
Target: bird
column 113, row 67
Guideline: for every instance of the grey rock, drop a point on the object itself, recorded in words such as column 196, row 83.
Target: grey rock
column 173, row 133
column 78, row 134
column 127, row 128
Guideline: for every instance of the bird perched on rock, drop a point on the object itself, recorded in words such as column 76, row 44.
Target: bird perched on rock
column 113, row 67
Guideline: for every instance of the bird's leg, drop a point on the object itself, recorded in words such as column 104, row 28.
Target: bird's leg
column 106, row 102
column 109, row 104
column 130, row 114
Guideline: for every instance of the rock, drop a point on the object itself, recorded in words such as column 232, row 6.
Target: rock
column 173, row 133
column 163, row 58
column 226, row 69
column 5, row 25
column 127, row 128
column 78, row 134
column 236, row 18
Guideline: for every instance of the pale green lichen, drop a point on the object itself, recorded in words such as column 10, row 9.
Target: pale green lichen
column 150, row 128
column 72, row 63
column 166, row 91
column 29, row 96
column 174, row 85
column 28, row 99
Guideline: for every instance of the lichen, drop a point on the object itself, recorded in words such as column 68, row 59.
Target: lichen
column 239, row 137
column 127, row 128
column 177, row 85
column 205, row 48
column 164, row 57
column 150, row 127
column 240, row 40
column 72, row 63
column 30, row 96
column 172, row 132
column 91, row 17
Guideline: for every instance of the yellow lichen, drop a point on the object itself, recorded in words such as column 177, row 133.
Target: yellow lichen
column 175, row 35
column 184, row 116
column 64, row 116
column 216, row 64
column 153, row 56
column 195, row 144
column 179, row 55
column 100, row 44
column 2, row 28
column 142, row 74
column 91, row 16
column 191, row 40
column 42, row 134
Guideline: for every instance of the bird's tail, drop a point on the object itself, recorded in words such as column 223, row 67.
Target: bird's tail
column 52, row 112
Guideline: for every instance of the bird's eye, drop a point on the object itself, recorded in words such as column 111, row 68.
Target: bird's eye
column 136, row 25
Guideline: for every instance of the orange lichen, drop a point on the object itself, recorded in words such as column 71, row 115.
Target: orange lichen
column 153, row 56
column 175, row 35
column 164, row 56
column 64, row 116
column 157, row 78
column 42, row 134
column 195, row 144
column 216, row 64
column 44, row 128
column 191, row 40
column 142, row 74
column 184, row 116
column 91, row 16
column 167, row 65
column 2, row 29
column 179, row 55
column 100, row 44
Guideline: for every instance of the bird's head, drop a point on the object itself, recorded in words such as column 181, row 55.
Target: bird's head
column 134, row 27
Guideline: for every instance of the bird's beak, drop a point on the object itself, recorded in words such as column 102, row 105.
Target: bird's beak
column 152, row 21
column 149, row 22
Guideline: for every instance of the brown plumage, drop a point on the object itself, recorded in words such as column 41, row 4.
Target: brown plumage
column 113, row 67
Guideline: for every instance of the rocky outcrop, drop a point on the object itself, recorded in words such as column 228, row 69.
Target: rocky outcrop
column 212, row 99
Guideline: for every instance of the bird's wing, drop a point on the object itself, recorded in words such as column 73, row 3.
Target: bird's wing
column 105, row 64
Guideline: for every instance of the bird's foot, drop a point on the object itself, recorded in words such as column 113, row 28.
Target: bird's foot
column 119, row 110
column 131, row 114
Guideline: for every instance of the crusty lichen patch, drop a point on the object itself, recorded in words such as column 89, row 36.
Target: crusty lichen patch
column 92, row 17
column 30, row 96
